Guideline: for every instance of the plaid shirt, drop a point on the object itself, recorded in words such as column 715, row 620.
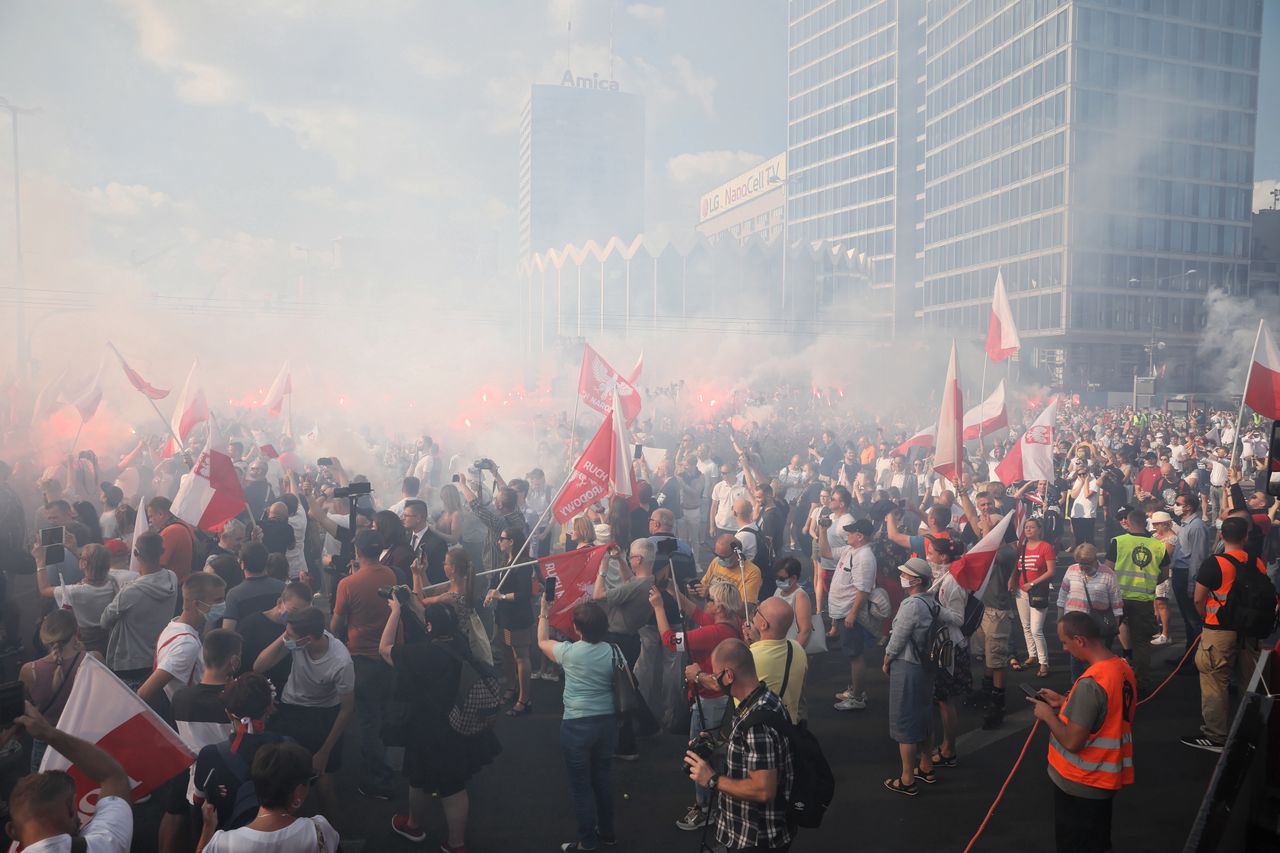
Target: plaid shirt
column 739, row 823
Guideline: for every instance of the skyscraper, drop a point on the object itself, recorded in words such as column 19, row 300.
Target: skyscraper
column 581, row 164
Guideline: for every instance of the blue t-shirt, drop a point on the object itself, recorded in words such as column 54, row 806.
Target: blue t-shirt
column 588, row 678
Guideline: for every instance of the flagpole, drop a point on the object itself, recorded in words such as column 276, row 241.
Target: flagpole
column 982, row 414
column 550, row 505
column 1253, row 357
column 76, row 440
column 167, row 426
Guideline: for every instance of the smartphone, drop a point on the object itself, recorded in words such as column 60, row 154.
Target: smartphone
column 12, row 697
column 52, row 539
column 639, row 451
column 1033, row 692
column 324, row 461
column 549, row 590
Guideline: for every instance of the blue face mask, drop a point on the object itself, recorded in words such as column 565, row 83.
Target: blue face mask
column 216, row 613
column 291, row 645
column 724, row 561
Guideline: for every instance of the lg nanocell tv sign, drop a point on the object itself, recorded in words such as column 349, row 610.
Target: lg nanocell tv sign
column 767, row 176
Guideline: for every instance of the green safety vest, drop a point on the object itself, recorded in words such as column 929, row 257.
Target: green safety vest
column 1138, row 560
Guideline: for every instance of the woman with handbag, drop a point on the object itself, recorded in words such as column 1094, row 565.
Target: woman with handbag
column 1030, row 587
column 1089, row 587
column 588, row 731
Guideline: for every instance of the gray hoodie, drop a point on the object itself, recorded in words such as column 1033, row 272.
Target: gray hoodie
column 135, row 618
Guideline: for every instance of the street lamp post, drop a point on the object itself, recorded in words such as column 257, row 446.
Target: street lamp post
column 19, row 282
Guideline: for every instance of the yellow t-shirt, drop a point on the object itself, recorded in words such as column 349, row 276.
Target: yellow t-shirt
column 750, row 592
column 771, row 664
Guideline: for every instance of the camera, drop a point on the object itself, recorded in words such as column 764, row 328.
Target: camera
column 704, row 745
column 485, row 464
column 353, row 491
column 824, row 518
column 400, row 591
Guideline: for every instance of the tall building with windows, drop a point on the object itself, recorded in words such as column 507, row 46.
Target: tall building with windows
column 581, row 165
column 1100, row 156
column 853, row 144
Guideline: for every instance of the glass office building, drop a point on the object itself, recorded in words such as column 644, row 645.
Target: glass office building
column 1100, row 156
column 854, row 148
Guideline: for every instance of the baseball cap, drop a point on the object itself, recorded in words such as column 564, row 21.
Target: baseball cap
column 116, row 547
column 918, row 567
column 866, row 528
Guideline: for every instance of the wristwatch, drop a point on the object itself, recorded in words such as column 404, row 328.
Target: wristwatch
column 714, row 782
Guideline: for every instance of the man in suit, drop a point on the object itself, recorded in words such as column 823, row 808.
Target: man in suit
column 428, row 546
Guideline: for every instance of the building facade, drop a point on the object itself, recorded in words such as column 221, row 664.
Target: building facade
column 582, row 166
column 1100, row 156
column 747, row 206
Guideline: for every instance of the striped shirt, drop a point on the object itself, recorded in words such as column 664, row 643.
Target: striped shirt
column 1103, row 591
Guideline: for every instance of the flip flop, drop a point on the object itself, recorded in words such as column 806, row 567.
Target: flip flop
column 895, row 785
column 940, row 760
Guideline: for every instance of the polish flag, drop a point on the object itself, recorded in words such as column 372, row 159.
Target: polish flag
column 191, row 409
column 264, row 444
column 924, row 438
column 88, row 400
column 1032, row 457
column 137, row 381
column 140, row 526
column 635, row 371
column 988, row 417
column 603, row 467
column 281, row 388
column 973, row 569
column 597, row 381
column 210, row 493
column 1262, row 391
column 575, row 573
column 1002, row 334
column 104, row 711
column 948, row 458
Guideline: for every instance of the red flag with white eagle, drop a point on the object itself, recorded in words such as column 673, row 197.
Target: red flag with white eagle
column 973, row 570
column 988, row 416
column 575, row 573
column 1002, row 334
column 603, row 467
column 1032, row 457
column 104, row 711
column 924, row 438
column 1262, row 389
column 190, row 410
column 136, row 380
column 210, row 493
column 280, row 388
column 948, row 457
column 597, row 381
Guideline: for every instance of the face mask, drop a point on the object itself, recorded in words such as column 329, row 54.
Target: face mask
column 724, row 688
column 783, row 584
column 906, row 584
column 216, row 612
column 724, row 561
column 291, row 645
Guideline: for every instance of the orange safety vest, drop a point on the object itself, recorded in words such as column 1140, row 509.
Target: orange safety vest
column 1219, row 596
column 946, row 534
column 1106, row 759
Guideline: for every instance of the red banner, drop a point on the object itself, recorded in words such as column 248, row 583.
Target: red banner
column 590, row 480
column 597, row 381
column 575, row 573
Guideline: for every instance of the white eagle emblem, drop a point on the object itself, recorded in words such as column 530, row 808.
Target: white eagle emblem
column 1037, row 435
column 607, row 381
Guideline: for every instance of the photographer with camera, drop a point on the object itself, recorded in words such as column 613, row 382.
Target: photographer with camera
column 504, row 513
column 750, row 810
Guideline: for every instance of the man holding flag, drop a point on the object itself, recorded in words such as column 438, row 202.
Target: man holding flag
column 985, row 571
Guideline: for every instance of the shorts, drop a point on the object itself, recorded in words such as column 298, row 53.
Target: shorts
column 853, row 641
column 996, row 625
column 1164, row 589
column 310, row 727
column 517, row 638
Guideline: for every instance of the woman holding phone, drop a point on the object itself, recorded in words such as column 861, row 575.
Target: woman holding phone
column 514, row 615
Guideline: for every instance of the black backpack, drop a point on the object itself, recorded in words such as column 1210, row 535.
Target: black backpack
column 243, row 795
column 939, row 652
column 1250, row 606
column 764, row 549
column 812, row 783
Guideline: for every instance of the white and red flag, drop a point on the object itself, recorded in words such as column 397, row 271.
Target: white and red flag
column 973, row 570
column 1032, row 457
column 264, row 445
column 190, row 409
column 1002, row 334
column 140, row 526
column 136, row 380
column 948, row 457
column 597, row 382
column 603, row 467
column 924, row 438
column 104, row 711
column 88, row 400
column 635, row 371
column 988, row 416
column 1262, row 389
column 575, row 573
column 210, row 493
column 281, row 388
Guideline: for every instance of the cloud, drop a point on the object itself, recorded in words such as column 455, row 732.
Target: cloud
column 703, row 170
column 702, row 87
column 160, row 42
column 433, row 64
column 647, row 14
column 122, row 200
column 1262, row 198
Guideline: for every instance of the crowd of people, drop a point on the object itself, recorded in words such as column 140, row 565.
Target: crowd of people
column 403, row 607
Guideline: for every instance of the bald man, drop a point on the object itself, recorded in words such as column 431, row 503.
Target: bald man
column 731, row 566
column 767, row 633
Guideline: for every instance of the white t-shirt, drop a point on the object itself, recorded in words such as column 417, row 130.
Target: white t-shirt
column 297, row 561
column 750, row 544
column 1082, row 507
column 855, row 572
column 110, row 527
column 109, row 831
column 179, row 653
column 1178, row 457
column 835, row 538
column 297, row 837
column 318, row 683
column 726, row 494
column 85, row 601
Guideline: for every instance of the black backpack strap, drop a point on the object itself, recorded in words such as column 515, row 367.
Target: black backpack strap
column 786, row 672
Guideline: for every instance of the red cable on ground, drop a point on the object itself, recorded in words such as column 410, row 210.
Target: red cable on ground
column 972, row 841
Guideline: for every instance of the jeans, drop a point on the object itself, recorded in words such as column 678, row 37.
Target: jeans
column 374, row 687
column 1081, row 825
column 1191, row 621
column 587, row 744
column 1032, row 619
column 714, row 709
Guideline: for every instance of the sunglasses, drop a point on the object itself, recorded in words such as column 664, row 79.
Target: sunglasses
column 504, row 538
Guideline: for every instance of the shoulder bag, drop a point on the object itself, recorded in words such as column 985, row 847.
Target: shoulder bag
column 1106, row 618
column 624, row 684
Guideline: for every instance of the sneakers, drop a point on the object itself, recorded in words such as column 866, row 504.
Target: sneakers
column 1202, row 742
column 852, row 703
column 846, row 693
column 1160, row 640
column 694, row 818
column 627, row 756
column 400, row 825
column 373, row 793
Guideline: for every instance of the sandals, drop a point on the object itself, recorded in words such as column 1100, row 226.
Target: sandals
column 1019, row 666
column 940, row 760
column 1043, row 673
column 895, row 785
column 519, row 709
column 927, row 778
